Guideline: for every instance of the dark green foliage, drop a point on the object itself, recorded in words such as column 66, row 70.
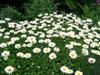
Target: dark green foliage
column 83, row 8
column 15, row 3
column 28, row 8
column 10, row 12
column 38, row 6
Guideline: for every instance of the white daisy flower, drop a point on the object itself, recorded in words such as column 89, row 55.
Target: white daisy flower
column 7, row 19
column 10, row 42
column 36, row 50
column 47, row 40
column 66, row 70
column 52, row 56
column 85, row 46
column 78, row 73
column 91, row 60
column 73, row 54
column 1, row 34
column 27, row 55
column 20, row 54
column 41, row 41
column 29, row 45
column 62, row 34
column 6, row 58
column 24, row 45
column 6, row 37
column 95, row 52
column 9, row 69
column 52, row 44
column 46, row 50
column 87, row 41
column 2, row 21
column 23, row 36
column 3, row 45
column 5, row 54
column 85, row 52
column 69, row 46
column 17, row 46
column 56, row 49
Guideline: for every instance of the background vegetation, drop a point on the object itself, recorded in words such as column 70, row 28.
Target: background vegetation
column 28, row 9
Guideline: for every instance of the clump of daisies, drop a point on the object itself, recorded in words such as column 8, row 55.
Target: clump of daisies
column 66, row 70
column 80, row 37
column 5, row 55
column 24, row 55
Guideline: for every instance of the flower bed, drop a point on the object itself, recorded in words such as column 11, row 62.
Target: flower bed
column 51, row 44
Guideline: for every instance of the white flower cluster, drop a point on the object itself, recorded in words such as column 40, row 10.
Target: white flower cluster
column 73, row 35
column 22, row 55
column 66, row 70
column 5, row 55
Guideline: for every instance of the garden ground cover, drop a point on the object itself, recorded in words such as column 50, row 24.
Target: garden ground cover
column 51, row 44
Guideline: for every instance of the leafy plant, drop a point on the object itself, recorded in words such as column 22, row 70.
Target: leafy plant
column 83, row 8
column 10, row 12
column 38, row 6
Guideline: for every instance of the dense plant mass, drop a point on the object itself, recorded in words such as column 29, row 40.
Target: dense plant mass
column 28, row 9
column 51, row 44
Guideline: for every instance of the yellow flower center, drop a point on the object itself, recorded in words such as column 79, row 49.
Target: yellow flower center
column 37, row 50
column 64, row 69
column 78, row 74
